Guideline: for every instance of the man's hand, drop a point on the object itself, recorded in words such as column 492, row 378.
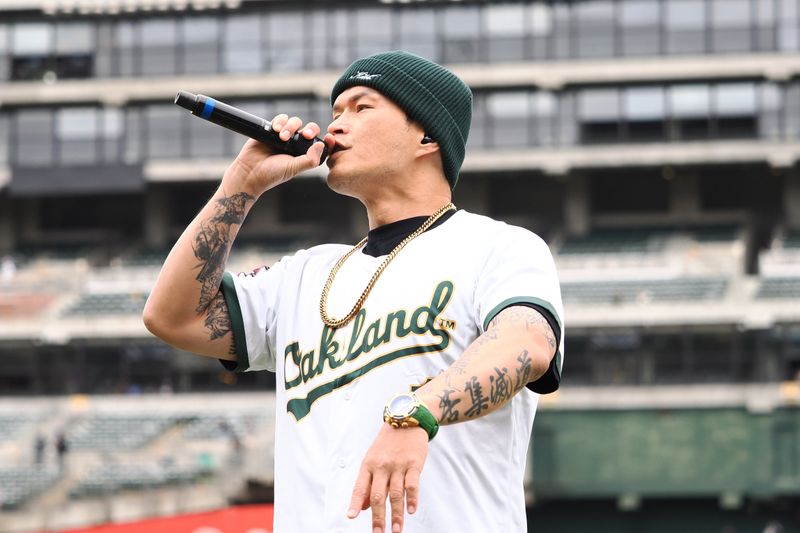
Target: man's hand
column 257, row 168
column 390, row 469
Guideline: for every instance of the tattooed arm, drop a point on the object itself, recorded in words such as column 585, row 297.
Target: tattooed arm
column 186, row 307
column 515, row 349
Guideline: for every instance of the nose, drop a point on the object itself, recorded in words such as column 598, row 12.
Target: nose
column 337, row 127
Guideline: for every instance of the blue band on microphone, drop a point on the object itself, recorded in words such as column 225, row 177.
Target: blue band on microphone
column 208, row 108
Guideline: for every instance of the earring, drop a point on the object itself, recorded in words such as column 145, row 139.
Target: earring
column 427, row 140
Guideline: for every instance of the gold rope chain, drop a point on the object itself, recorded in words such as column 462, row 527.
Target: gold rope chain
column 323, row 301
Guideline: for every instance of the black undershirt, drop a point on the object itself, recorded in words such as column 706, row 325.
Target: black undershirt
column 383, row 239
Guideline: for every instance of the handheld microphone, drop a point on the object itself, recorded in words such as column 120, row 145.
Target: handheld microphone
column 235, row 119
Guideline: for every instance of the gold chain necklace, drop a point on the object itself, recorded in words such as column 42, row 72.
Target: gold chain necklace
column 323, row 301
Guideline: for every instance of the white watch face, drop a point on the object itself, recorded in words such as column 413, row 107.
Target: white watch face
column 401, row 406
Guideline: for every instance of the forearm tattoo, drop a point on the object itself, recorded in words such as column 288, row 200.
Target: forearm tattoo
column 211, row 247
column 504, row 381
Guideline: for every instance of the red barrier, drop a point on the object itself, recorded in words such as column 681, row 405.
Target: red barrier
column 244, row 519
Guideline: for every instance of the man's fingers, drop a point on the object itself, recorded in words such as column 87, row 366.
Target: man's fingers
column 360, row 493
column 396, row 499
column 290, row 128
column 377, row 501
column 311, row 130
column 412, row 489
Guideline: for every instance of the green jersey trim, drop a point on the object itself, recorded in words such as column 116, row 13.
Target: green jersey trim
column 228, row 289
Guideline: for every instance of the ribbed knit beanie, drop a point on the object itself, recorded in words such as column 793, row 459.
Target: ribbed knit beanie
column 429, row 93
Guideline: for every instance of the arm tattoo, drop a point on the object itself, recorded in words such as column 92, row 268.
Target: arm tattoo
column 524, row 371
column 449, row 412
column 500, row 390
column 480, row 402
column 211, row 248
column 530, row 317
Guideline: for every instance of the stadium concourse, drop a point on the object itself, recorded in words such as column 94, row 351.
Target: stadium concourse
column 652, row 144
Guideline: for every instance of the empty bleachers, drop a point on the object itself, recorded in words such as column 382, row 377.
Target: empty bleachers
column 19, row 484
column 13, row 426
column 114, row 478
column 779, row 288
column 109, row 432
column 108, row 304
column 626, row 292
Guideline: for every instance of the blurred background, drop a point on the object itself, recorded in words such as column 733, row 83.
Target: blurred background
column 652, row 143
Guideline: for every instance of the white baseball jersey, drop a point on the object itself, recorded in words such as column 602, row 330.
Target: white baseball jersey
column 431, row 302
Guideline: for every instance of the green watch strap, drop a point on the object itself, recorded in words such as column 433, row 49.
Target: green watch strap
column 426, row 420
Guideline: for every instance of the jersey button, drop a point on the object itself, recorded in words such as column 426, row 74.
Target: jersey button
column 341, row 463
column 347, row 395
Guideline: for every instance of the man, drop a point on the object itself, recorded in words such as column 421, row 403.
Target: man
column 457, row 314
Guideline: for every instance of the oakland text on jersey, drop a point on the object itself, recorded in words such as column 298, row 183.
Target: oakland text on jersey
column 306, row 366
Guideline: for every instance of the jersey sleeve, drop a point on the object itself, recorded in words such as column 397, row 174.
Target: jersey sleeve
column 521, row 271
column 252, row 300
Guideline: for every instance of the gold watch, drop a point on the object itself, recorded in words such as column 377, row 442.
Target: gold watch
column 406, row 410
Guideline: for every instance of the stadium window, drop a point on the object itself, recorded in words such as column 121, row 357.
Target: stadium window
column 643, row 112
column 765, row 26
column 31, row 50
column 791, row 111
column 731, row 26
column 599, row 115
column 132, row 142
column 594, row 27
column 712, row 356
column 33, row 137
column 318, row 39
column 685, row 26
column 461, row 34
column 417, row 32
column 159, row 47
column 77, row 135
column 509, row 117
column 284, row 50
column 241, row 43
column 562, row 31
column 617, row 356
column 74, row 47
column 770, row 108
column 5, row 121
column 787, row 25
column 545, row 109
column 339, row 50
column 735, row 110
column 111, row 125
column 200, row 45
column 670, row 357
column 104, row 50
column 640, row 28
column 126, row 40
column 373, row 31
column 505, row 32
column 690, row 108
column 540, row 23
column 632, row 191
column 4, row 52
column 164, row 131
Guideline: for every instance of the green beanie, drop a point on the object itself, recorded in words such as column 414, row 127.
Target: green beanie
column 430, row 94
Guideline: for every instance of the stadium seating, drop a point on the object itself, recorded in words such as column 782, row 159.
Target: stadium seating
column 111, row 479
column 11, row 426
column 108, row 304
column 106, row 432
column 619, row 292
column 781, row 288
column 18, row 485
